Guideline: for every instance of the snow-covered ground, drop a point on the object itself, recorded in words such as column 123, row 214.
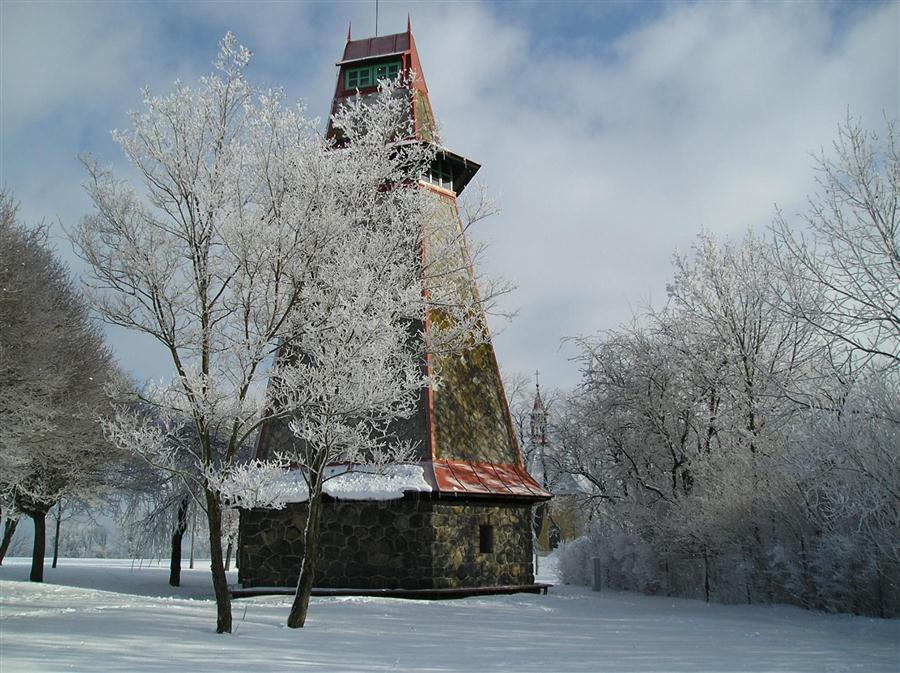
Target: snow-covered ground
column 104, row 616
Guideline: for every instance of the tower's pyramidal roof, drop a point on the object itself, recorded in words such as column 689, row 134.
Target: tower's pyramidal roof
column 463, row 428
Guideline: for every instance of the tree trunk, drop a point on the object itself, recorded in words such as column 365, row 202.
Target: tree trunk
column 706, row 574
column 537, row 519
column 39, row 549
column 237, row 550
column 177, row 537
column 9, row 528
column 297, row 617
column 228, row 557
column 754, row 555
column 193, row 537
column 56, row 535
column 806, row 577
column 220, row 582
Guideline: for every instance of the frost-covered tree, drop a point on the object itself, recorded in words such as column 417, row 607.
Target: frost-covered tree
column 840, row 264
column 349, row 369
column 847, row 248
column 158, row 503
column 637, row 431
column 852, row 489
column 735, row 450
column 204, row 260
column 252, row 234
column 53, row 368
column 724, row 296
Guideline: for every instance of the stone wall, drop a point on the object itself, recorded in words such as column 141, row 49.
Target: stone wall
column 457, row 559
column 414, row 543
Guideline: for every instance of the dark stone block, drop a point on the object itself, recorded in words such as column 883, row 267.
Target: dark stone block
column 329, row 537
column 368, row 517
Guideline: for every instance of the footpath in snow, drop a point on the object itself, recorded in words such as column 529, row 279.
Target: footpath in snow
column 103, row 616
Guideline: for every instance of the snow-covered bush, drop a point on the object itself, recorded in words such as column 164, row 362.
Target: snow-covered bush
column 574, row 564
column 626, row 560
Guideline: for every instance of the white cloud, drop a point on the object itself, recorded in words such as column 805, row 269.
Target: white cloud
column 607, row 150
column 53, row 54
column 608, row 162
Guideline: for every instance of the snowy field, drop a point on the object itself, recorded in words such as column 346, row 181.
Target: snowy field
column 107, row 616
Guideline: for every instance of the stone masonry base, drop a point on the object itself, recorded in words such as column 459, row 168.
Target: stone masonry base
column 413, row 543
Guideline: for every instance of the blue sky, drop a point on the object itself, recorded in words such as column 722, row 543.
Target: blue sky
column 609, row 133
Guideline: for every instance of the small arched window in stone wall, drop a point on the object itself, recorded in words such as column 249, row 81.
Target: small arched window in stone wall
column 486, row 539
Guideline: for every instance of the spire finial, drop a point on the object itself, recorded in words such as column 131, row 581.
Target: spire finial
column 349, row 29
column 408, row 24
column 537, row 379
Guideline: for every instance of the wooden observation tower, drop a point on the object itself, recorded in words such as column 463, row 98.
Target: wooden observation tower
column 472, row 530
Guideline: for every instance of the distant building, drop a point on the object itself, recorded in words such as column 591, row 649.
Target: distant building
column 560, row 519
column 472, row 530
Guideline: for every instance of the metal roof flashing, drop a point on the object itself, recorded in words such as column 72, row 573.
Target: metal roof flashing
column 370, row 58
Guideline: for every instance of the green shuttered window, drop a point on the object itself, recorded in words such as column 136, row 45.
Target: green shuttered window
column 368, row 75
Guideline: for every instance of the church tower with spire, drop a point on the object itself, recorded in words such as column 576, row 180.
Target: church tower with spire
column 538, row 418
column 471, row 531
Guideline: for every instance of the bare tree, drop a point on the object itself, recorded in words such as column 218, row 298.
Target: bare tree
column 520, row 398
column 54, row 367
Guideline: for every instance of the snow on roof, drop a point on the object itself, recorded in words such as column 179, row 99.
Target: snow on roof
column 388, row 484
column 266, row 485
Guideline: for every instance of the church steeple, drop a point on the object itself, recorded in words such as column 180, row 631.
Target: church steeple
column 538, row 417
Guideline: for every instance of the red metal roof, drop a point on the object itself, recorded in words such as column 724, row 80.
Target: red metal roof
column 457, row 477
column 376, row 46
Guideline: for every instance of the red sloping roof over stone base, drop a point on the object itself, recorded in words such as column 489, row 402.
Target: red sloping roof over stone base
column 453, row 477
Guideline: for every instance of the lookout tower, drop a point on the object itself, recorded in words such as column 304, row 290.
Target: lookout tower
column 470, row 529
